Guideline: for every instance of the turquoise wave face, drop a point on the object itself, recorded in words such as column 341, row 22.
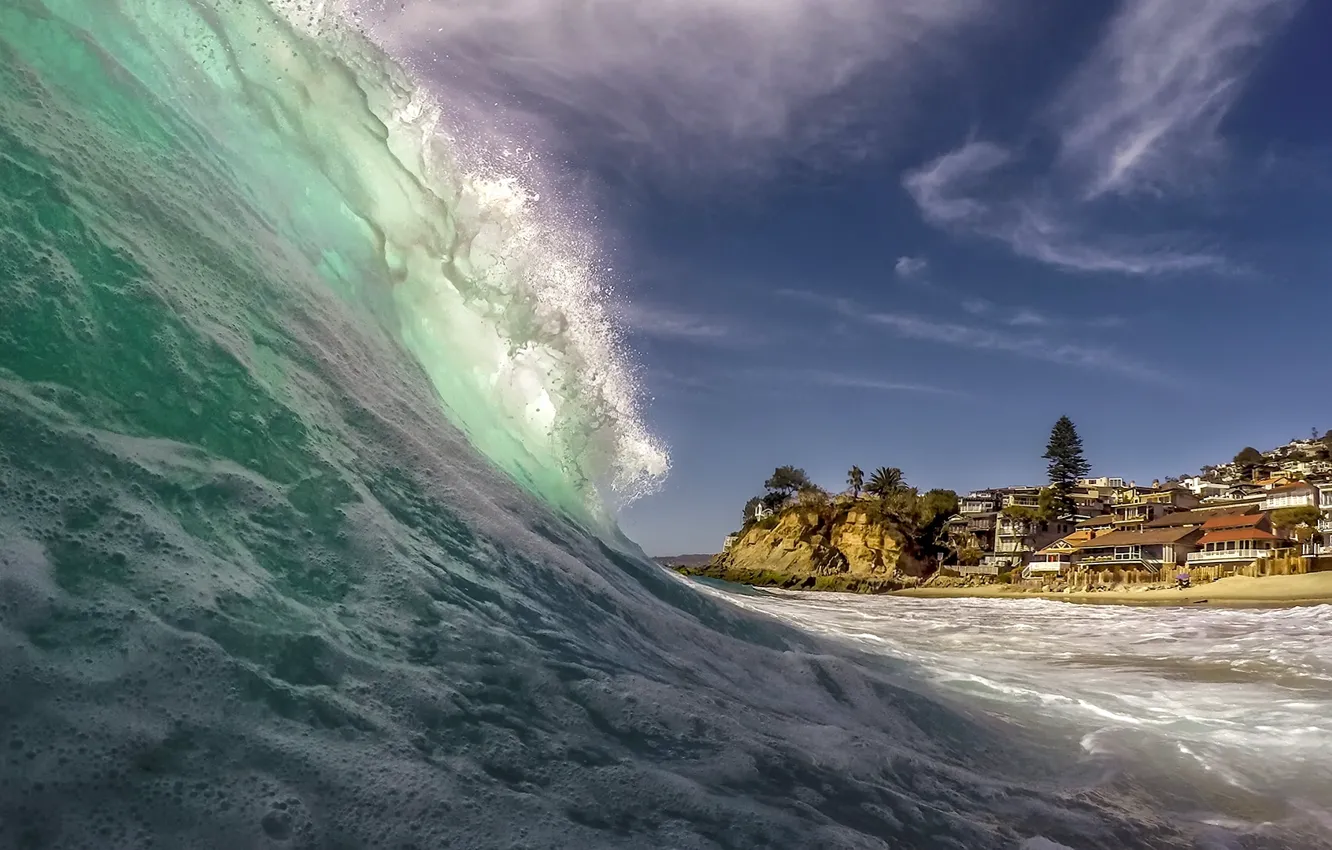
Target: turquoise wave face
column 233, row 173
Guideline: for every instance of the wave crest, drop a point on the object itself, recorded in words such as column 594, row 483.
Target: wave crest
column 495, row 289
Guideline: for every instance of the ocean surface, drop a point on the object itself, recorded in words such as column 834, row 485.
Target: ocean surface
column 309, row 409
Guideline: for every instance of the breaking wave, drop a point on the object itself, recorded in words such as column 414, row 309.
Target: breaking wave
column 305, row 409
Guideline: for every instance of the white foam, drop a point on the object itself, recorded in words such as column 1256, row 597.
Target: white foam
column 1236, row 695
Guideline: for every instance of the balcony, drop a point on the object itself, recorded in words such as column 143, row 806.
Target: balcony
column 1229, row 556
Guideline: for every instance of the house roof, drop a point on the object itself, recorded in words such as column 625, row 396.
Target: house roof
column 1197, row 516
column 1064, row 544
column 1226, row 535
column 1234, row 521
column 1150, row 537
column 1098, row 521
column 1291, row 488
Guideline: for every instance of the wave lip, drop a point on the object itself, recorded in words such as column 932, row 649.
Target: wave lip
column 495, row 288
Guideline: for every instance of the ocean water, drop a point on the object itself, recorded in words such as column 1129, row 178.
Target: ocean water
column 308, row 409
column 1224, row 713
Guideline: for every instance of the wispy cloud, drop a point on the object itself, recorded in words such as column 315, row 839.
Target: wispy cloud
column 977, row 306
column 686, row 84
column 1142, row 114
column 1041, row 347
column 946, row 189
column 860, row 382
column 668, row 323
column 1045, row 346
column 958, row 191
column 910, row 267
column 1028, row 318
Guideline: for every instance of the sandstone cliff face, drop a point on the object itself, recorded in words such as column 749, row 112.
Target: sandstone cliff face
column 838, row 549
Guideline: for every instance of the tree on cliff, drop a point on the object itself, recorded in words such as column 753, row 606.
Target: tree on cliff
column 1247, row 459
column 751, row 511
column 885, row 481
column 786, row 480
column 855, row 478
column 934, row 510
column 1067, row 464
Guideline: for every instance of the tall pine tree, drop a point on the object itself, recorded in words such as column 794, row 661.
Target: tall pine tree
column 1067, row 464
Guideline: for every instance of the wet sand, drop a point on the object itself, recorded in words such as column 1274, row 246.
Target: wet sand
column 1238, row 590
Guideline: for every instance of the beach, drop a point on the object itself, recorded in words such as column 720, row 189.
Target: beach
column 1312, row 588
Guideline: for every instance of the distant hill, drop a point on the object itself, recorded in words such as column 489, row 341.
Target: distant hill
column 684, row 560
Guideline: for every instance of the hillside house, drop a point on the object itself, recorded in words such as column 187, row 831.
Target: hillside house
column 1203, row 488
column 1145, row 505
column 1200, row 516
column 1325, row 505
column 1026, row 497
column 1299, row 494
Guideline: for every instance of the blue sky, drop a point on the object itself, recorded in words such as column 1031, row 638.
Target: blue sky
column 915, row 233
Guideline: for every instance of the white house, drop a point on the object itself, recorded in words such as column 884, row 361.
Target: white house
column 1294, row 495
column 1325, row 504
column 1203, row 488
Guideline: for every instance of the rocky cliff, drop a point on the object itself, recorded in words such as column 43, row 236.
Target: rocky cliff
column 834, row 548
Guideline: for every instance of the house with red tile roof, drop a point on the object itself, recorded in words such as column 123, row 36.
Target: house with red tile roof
column 1151, row 549
column 1237, row 540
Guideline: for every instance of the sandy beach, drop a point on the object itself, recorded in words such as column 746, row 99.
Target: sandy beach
column 1238, row 590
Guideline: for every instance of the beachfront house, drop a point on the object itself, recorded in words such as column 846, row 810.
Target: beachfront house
column 1236, row 540
column 1017, row 538
column 974, row 524
column 1153, row 550
column 1057, row 558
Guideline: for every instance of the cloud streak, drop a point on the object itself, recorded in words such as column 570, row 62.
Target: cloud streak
column 1143, row 112
column 859, row 382
column 671, row 324
column 1140, row 116
column 685, row 84
column 959, row 192
column 910, row 267
column 1041, row 347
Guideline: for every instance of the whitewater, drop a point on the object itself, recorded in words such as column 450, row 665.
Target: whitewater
column 308, row 410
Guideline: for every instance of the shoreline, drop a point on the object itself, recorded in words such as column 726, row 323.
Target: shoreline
column 1267, row 591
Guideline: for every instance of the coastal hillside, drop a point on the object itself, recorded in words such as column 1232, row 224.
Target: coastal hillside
column 857, row 545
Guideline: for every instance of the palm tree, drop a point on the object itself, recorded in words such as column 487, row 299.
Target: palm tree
column 885, row 481
column 855, row 476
